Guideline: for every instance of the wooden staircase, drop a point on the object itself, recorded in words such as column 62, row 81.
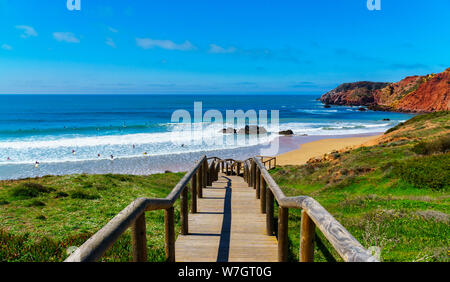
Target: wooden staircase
column 227, row 226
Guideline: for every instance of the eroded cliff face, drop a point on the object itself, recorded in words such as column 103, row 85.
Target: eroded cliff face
column 353, row 94
column 430, row 93
column 412, row 94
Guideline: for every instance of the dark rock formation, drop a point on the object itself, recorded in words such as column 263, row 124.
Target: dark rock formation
column 286, row 132
column 228, row 130
column 252, row 129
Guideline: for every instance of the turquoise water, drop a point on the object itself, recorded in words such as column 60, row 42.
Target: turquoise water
column 75, row 129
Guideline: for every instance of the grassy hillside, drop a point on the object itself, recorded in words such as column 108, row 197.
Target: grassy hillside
column 42, row 217
column 393, row 194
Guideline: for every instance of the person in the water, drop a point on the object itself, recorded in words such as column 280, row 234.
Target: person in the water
column 36, row 164
column 112, row 157
column 73, row 152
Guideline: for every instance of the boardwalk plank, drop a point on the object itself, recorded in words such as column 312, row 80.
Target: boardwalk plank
column 227, row 227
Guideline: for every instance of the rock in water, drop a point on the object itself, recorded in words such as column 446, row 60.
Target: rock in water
column 252, row 129
column 228, row 130
column 286, row 132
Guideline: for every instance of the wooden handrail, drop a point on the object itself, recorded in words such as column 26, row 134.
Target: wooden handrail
column 312, row 214
column 99, row 243
column 199, row 177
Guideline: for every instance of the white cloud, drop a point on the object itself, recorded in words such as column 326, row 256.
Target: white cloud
column 110, row 42
column 220, row 50
column 112, row 29
column 147, row 43
column 7, row 47
column 28, row 31
column 68, row 37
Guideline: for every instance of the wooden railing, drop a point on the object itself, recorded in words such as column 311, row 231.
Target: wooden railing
column 134, row 215
column 313, row 215
column 268, row 162
column 203, row 174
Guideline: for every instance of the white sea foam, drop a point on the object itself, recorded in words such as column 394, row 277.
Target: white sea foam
column 176, row 141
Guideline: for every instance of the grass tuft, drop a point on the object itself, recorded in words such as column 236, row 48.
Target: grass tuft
column 80, row 194
column 29, row 190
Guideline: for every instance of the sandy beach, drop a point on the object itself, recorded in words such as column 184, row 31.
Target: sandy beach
column 318, row 148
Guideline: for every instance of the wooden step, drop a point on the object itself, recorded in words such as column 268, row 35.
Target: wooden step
column 228, row 226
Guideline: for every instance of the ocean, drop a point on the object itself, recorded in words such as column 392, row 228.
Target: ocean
column 134, row 133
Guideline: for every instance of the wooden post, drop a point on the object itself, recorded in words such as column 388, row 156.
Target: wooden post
column 205, row 175
column 217, row 171
column 199, row 182
column 245, row 173
column 258, row 182
column 184, row 211
column 208, row 175
column 307, row 233
column 169, row 234
column 248, row 175
column 194, row 194
column 262, row 202
column 283, row 240
column 269, row 212
column 254, row 175
column 139, row 237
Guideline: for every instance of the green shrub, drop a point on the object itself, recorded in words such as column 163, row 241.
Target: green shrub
column 428, row 171
column 440, row 145
column 61, row 195
column 79, row 194
column 36, row 203
column 3, row 202
column 29, row 190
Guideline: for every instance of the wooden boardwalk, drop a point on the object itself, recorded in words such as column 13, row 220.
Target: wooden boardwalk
column 227, row 227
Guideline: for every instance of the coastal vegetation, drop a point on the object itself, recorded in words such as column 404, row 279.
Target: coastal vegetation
column 43, row 219
column 393, row 194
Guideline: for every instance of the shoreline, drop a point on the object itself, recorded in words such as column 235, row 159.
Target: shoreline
column 320, row 147
column 287, row 146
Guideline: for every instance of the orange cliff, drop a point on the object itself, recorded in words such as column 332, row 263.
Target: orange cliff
column 426, row 93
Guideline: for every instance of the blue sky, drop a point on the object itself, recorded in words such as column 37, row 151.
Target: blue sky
column 217, row 46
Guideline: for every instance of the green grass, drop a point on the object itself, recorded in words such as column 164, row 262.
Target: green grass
column 43, row 217
column 393, row 195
